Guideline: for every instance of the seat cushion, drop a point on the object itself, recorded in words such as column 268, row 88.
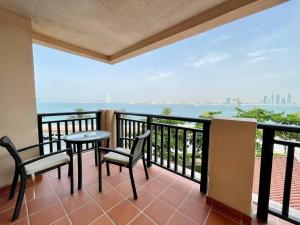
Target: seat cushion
column 47, row 163
column 117, row 158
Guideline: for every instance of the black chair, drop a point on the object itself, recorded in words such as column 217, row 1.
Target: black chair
column 128, row 157
column 35, row 166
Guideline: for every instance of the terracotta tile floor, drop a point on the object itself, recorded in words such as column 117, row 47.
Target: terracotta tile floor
column 164, row 199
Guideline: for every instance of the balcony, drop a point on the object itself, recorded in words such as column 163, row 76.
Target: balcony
column 194, row 177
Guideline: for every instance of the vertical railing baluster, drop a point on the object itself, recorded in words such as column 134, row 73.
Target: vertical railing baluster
column 134, row 131
column 193, row 154
column 149, row 142
column 143, row 127
column 86, row 124
column 66, row 127
column 161, row 145
column 92, row 124
column 169, row 148
column 50, row 136
column 40, row 133
column 184, row 152
column 125, row 134
column 155, row 144
column 80, row 125
column 118, row 121
column 73, row 126
column 129, row 133
column 176, row 151
column 122, row 133
column 288, row 180
column 58, row 146
column 265, row 174
column 139, row 128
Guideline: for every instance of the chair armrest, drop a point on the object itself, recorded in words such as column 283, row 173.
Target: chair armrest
column 116, row 151
column 37, row 145
column 26, row 162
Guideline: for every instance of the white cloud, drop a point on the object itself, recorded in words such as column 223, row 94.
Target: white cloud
column 158, row 75
column 264, row 54
column 258, row 59
column 259, row 53
column 211, row 58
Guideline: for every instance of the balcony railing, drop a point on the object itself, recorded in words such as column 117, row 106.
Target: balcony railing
column 52, row 126
column 269, row 139
column 173, row 144
column 180, row 145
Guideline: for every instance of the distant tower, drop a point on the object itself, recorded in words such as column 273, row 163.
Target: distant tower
column 283, row 100
column 265, row 101
column 228, row 100
column 277, row 99
column 289, row 99
column 272, row 99
column 108, row 97
column 238, row 102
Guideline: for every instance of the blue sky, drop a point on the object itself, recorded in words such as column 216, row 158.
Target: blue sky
column 252, row 57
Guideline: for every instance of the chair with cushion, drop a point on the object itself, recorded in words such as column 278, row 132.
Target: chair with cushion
column 128, row 157
column 34, row 166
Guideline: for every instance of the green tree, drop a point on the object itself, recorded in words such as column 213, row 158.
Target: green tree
column 79, row 116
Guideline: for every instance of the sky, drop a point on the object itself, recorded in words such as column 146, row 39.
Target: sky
column 250, row 58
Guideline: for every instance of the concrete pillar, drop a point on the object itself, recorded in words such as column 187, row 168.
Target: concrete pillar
column 231, row 166
column 17, row 89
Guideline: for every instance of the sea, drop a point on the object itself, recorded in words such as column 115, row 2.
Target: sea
column 184, row 110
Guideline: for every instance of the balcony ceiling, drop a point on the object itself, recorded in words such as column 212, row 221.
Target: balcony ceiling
column 112, row 31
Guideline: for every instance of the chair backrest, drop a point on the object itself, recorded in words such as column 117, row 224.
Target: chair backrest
column 137, row 149
column 10, row 147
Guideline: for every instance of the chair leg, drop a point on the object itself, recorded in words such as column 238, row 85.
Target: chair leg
column 96, row 157
column 132, row 183
column 58, row 172
column 107, row 168
column 71, row 176
column 20, row 197
column 120, row 168
column 14, row 185
column 69, row 171
column 145, row 168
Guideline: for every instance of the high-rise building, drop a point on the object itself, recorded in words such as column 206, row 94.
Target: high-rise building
column 272, row 99
column 228, row 101
column 283, row 100
column 289, row 99
column 277, row 99
column 265, row 101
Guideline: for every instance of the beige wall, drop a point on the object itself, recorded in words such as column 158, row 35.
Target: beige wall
column 231, row 162
column 17, row 90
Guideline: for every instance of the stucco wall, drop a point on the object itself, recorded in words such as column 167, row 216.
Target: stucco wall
column 231, row 162
column 17, row 90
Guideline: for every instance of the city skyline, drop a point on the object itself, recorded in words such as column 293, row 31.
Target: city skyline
column 240, row 59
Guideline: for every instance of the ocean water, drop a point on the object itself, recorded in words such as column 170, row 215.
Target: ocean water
column 185, row 110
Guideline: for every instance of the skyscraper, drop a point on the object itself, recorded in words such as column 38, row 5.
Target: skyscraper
column 272, row 99
column 289, row 99
column 277, row 99
column 265, row 101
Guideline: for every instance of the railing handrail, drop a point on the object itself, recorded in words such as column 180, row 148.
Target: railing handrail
column 157, row 116
column 279, row 127
column 65, row 113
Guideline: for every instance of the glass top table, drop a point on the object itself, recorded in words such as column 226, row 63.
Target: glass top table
column 85, row 137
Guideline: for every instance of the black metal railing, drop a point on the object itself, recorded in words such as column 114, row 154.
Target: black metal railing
column 268, row 141
column 174, row 143
column 53, row 126
column 180, row 145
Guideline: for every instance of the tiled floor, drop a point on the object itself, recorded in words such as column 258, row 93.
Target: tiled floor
column 163, row 199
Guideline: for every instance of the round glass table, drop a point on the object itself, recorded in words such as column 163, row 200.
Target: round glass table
column 86, row 137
